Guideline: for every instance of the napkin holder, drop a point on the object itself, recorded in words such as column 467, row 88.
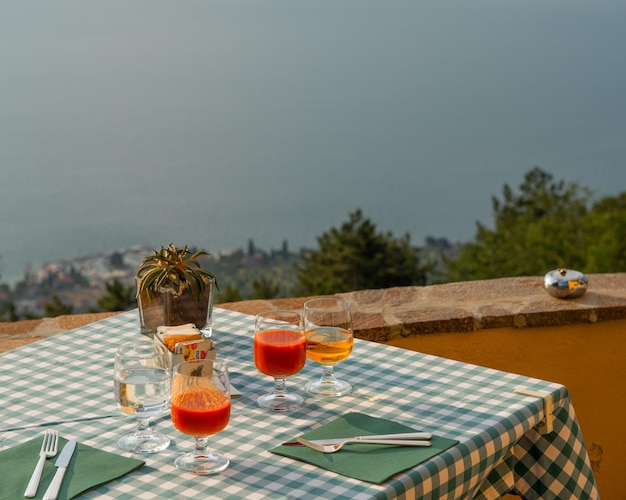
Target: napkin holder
column 179, row 348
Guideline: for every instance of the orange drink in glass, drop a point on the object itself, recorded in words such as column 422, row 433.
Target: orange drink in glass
column 201, row 408
column 329, row 340
column 279, row 351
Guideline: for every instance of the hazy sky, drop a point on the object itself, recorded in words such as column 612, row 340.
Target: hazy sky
column 208, row 122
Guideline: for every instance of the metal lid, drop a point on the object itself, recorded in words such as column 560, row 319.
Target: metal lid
column 565, row 283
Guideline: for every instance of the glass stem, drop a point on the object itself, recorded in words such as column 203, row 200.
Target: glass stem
column 279, row 386
column 327, row 373
column 202, row 446
column 143, row 426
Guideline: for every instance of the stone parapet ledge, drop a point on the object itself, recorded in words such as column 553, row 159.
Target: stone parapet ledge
column 468, row 306
column 381, row 315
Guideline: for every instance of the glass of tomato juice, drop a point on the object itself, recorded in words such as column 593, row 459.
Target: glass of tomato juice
column 200, row 408
column 279, row 351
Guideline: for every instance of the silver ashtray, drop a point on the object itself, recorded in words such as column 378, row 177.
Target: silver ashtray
column 565, row 283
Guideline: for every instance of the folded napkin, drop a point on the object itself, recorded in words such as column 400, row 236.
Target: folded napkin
column 366, row 462
column 88, row 469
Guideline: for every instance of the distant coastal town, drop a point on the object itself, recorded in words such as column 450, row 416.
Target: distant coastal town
column 80, row 282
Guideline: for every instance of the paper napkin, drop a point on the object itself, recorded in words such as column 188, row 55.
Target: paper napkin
column 88, row 469
column 366, row 462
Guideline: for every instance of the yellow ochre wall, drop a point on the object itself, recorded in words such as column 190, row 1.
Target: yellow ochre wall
column 589, row 359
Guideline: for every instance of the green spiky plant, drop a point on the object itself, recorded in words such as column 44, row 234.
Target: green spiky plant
column 173, row 289
column 175, row 268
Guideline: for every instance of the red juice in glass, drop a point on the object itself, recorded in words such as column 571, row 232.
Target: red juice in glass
column 200, row 414
column 279, row 353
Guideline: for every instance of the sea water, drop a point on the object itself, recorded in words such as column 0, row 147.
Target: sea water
column 212, row 123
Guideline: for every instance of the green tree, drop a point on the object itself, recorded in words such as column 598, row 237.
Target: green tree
column 605, row 235
column 230, row 293
column 356, row 257
column 8, row 311
column 118, row 297
column 56, row 307
column 28, row 313
column 536, row 230
column 265, row 288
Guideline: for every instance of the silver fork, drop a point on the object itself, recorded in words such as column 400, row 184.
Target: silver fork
column 332, row 448
column 48, row 450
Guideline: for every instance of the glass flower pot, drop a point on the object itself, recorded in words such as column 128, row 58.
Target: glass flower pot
column 169, row 308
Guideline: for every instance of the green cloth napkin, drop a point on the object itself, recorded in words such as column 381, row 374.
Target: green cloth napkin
column 88, row 469
column 366, row 462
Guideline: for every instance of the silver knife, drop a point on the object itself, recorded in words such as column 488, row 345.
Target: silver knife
column 61, row 464
column 382, row 437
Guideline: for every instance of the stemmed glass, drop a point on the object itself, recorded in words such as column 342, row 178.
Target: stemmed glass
column 142, row 388
column 329, row 340
column 279, row 351
column 201, row 408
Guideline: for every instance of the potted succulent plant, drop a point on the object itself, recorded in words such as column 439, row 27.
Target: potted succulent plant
column 174, row 289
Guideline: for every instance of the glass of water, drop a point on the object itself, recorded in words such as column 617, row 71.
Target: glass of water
column 142, row 389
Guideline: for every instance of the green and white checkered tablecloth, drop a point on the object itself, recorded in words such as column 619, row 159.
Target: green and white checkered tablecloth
column 65, row 382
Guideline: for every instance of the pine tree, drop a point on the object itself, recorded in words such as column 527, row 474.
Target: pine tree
column 356, row 257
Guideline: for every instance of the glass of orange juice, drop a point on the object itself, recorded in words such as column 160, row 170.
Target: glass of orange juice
column 329, row 340
column 201, row 408
column 279, row 351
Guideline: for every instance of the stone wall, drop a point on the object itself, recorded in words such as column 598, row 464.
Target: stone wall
column 382, row 315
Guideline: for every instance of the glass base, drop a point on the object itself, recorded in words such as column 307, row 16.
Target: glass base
column 211, row 463
column 143, row 443
column 207, row 332
column 325, row 388
column 280, row 402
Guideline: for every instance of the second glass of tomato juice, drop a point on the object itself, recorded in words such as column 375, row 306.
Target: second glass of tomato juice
column 279, row 351
column 201, row 408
